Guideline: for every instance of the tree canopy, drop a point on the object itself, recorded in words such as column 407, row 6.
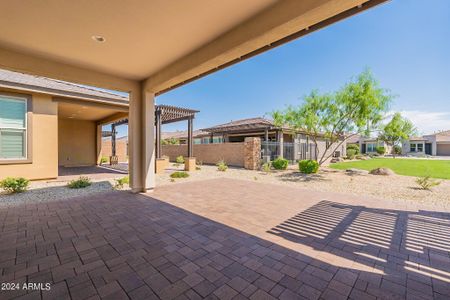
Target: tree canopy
column 397, row 130
column 357, row 107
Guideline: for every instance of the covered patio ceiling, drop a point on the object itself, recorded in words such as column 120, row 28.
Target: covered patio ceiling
column 164, row 42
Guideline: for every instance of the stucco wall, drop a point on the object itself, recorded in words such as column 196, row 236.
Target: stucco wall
column 44, row 143
column 121, row 149
column 77, row 142
column 231, row 153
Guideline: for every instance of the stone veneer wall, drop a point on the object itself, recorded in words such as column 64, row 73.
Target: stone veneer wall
column 252, row 150
column 231, row 153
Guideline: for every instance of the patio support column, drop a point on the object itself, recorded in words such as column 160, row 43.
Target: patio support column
column 158, row 133
column 190, row 137
column 211, row 138
column 142, row 140
column 280, row 143
column 98, row 137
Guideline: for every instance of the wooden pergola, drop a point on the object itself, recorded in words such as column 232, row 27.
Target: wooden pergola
column 164, row 114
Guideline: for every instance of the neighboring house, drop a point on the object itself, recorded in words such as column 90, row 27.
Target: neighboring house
column 437, row 144
column 227, row 141
column 369, row 145
column 292, row 144
column 46, row 123
column 182, row 136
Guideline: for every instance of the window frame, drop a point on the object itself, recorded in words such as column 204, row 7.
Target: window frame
column 417, row 147
column 411, row 147
column 28, row 159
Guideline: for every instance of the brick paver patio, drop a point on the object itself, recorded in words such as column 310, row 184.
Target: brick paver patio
column 226, row 239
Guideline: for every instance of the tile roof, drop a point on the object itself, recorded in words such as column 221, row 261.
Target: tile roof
column 16, row 80
column 181, row 134
column 250, row 123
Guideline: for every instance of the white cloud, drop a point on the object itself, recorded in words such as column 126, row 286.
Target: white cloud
column 427, row 121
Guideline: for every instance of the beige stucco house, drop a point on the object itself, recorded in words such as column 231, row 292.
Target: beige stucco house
column 437, row 144
column 370, row 145
column 46, row 124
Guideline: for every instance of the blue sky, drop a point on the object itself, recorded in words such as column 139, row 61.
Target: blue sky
column 406, row 44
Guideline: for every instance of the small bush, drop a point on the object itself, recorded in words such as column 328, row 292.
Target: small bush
column 180, row 160
column 308, row 166
column 179, row 174
column 14, row 185
column 103, row 160
column 266, row 167
column 380, row 150
column 351, row 153
column 426, row 183
column 353, row 147
column 280, row 164
column 80, row 183
column 397, row 150
column 121, row 182
column 222, row 166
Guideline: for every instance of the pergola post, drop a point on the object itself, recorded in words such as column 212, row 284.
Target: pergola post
column 266, row 157
column 158, row 133
column 190, row 137
column 142, row 140
column 280, row 143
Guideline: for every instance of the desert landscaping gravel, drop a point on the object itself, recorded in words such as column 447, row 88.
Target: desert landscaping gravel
column 47, row 191
column 393, row 187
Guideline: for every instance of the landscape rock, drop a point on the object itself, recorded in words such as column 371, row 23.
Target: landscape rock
column 353, row 171
column 336, row 159
column 382, row 171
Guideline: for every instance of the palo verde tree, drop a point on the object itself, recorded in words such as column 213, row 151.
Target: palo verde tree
column 357, row 107
column 397, row 130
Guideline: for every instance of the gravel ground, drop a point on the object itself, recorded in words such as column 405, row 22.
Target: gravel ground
column 393, row 187
column 42, row 191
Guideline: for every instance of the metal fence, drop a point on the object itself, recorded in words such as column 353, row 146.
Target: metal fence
column 291, row 151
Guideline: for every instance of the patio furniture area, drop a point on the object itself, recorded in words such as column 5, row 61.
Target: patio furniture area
column 224, row 239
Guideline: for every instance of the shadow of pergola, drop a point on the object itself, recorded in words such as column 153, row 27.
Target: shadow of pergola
column 405, row 247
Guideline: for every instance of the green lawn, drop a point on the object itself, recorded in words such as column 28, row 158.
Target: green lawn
column 408, row 167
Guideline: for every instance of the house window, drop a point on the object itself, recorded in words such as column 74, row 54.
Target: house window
column 13, row 127
column 412, row 147
column 371, row 147
column 419, row 147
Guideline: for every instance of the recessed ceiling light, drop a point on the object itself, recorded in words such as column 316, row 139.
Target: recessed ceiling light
column 98, row 38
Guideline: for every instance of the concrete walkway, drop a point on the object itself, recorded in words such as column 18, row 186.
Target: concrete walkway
column 226, row 239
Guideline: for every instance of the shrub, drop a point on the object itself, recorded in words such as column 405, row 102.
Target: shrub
column 280, row 163
column 308, row 166
column 14, row 185
column 266, row 167
column 353, row 147
column 397, row 150
column 380, row 150
column 222, row 166
column 179, row 159
column 79, row 183
column 121, row 182
column 179, row 174
column 426, row 183
column 351, row 153
column 103, row 160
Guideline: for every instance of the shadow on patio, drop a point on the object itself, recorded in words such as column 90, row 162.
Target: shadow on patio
column 119, row 244
column 410, row 251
